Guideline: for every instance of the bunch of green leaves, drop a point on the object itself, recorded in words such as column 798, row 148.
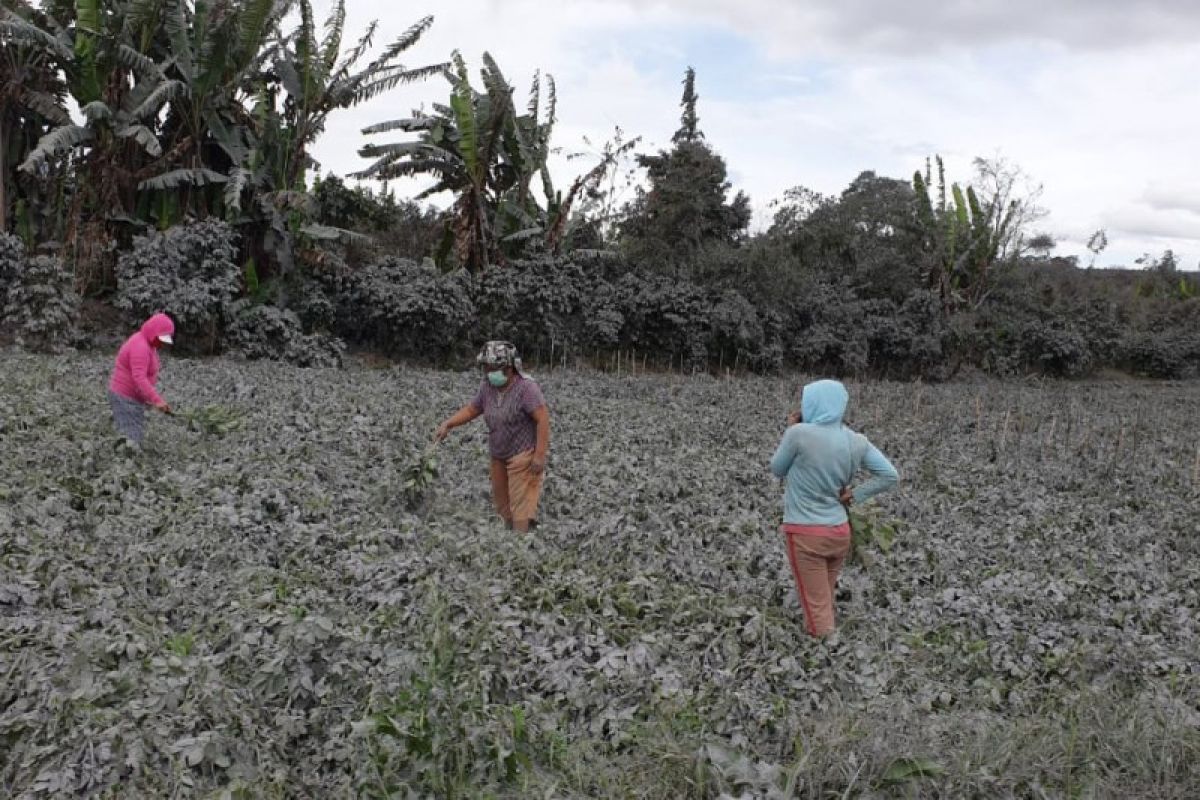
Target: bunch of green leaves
column 418, row 479
column 869, row 535
column 212, row 420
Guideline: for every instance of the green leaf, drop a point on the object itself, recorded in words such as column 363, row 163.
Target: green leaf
column 254, row 24
column 908, row 769
column 87, row 16
column 462, row 104
column 334, row 28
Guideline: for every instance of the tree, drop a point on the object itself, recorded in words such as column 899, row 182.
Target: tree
column 1041, row 244
column 481, row 149
column 31, row 93
column 867, row 236
column 106, row 56
column 689, row 130
column 967, row 236
column 476, row 148
column 315, row 79
column 218, row 51
column 685, row 208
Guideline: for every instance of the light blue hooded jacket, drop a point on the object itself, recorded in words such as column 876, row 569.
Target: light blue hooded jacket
column 821, row 455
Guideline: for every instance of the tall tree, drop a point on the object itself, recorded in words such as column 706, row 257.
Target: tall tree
column 966, row 237
column 686, row 207
column 105, row 54
column 689, row 130
column 493, row 158
column 32, row 93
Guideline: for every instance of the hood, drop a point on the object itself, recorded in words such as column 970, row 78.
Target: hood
column 158, row 325
column 824, row 402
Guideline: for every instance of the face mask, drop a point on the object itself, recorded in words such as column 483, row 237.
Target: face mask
column 497, row 378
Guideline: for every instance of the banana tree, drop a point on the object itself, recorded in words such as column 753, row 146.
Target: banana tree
column 219, row 50
column 963, row 238
column 105, row 57
column 486, row 153
column 311, row 77
column 460, row 144
column 32, row 94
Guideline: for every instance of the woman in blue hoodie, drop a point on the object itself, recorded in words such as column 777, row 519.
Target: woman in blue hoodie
column 818, row 458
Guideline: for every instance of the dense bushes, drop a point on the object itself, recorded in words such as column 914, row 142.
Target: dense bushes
column 1038, row 321
column 268, row 332
column 41, row 306
column 543, row 304
column 549, row 306
column 406, row 309
column 1162, row 354
column 190, row 272
column 12, row 258
column 561, row 307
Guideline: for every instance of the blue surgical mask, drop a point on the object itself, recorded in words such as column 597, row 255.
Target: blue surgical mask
column 497, row 378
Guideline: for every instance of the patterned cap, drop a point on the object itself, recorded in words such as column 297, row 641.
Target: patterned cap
column 501, row 353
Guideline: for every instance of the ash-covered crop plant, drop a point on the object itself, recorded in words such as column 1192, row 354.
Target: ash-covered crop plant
column 287, row 594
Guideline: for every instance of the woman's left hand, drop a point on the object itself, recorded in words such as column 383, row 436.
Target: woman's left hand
column 537, row 465
column 846, row 496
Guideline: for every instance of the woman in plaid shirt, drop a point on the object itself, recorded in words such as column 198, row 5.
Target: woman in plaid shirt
column 518, row 425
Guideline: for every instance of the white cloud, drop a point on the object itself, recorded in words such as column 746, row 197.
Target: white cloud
column 1174, row 197
column 1107, row 130
column 794, row 28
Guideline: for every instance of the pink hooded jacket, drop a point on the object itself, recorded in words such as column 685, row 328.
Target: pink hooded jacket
column 136, row 370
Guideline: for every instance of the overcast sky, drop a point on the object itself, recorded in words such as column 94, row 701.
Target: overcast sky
column 1097, row 100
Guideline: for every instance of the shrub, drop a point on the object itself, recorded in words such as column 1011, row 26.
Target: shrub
column 1162, row 354
column 41, row 304
column 1055, row 348
column 602, row 318
column 191, row 272
column 406, row 309
column 735, row 331
column 12, row 258
column 826, row 332
column 314, row 306
column 12, row 262
column 544, row 304
column 269, row 332
column 665, row 317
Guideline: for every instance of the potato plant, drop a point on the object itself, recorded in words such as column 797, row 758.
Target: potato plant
column 271, row 613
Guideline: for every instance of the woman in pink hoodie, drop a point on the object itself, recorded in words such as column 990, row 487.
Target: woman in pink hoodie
column 131, row 387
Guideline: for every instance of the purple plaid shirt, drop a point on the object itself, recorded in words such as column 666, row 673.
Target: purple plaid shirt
column 509, row 416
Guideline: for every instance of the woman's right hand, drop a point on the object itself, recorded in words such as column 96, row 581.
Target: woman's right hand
column 442, row 431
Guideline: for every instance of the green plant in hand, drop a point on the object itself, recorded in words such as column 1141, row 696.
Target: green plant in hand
column 212, row 420
column 868, row 532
